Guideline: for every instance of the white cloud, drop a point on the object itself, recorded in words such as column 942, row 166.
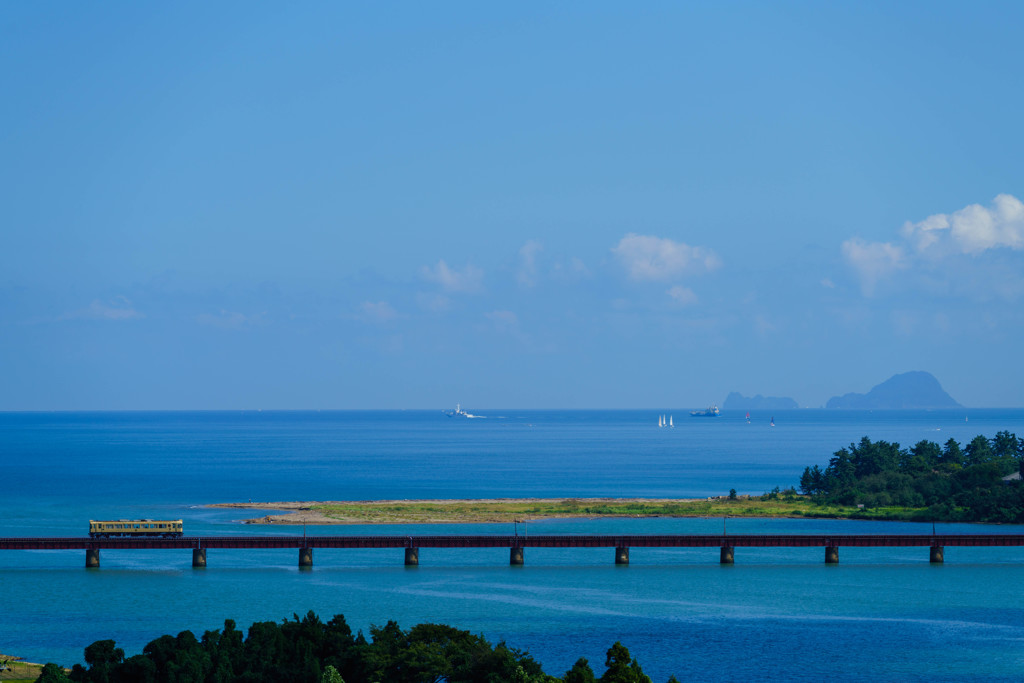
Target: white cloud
column 873, row 261
column 926, row 233
column 569, row 271
column 684, row 296
column 504, row 321
column 469, row 279
column 229, row 320
column 763, row 326
column 118, row 308
column 973, row 229
column 527, row 274
column 436, row 303
column 657, row 258
column 378, row 311
column 827, row 283
column 929, row 245
column 905, row 323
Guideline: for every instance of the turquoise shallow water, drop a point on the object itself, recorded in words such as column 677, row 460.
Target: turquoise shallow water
column 881, row 614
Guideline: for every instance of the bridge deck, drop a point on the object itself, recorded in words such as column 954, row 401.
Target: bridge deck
column 495, row 541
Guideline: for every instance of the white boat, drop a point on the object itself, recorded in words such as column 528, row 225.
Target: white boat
column 459, row 412
column 670, row 422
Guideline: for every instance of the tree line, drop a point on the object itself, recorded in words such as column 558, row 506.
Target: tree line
column 309, row 650
column 943, row 483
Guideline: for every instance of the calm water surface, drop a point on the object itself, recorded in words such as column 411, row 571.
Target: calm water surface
column 880, row 614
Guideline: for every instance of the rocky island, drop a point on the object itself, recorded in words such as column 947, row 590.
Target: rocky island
column 910, row 390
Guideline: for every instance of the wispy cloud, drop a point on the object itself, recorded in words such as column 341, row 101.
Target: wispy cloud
column 646, row 257
column 469, row 279
column 873, row 261
column 526, row 276
column 683, row 296
column 377, row 311
column 230, row 320
column 433, row 302
column 763, row 326
column 506, row 324
column 118, row 308
column 503, row 321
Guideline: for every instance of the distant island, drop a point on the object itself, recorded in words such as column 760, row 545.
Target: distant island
column 737, row 401
column 910, row 390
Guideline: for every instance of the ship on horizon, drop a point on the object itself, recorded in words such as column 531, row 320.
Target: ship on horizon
column 459, row 412
column 712, row 411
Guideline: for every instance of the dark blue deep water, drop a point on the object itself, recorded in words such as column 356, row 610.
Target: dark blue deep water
column 881, row 614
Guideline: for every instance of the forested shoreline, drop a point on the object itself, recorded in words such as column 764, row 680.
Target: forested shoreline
column 926, row 482
column 309, row 650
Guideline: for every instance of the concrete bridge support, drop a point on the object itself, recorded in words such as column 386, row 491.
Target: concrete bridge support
column 727, row 555
column 937, row 555
column 412, row 557
column 92, row 557
column 305, row 557
column 515, row 557
column 621, row 555
column 199, row 557
column 832, row 554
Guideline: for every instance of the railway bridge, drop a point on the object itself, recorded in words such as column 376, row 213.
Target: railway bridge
column 411, row 545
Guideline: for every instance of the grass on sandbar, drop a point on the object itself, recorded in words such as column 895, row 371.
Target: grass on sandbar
column 769, row 505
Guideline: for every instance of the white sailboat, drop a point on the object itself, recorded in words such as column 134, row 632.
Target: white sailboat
column 670, row 422
column 660, row 422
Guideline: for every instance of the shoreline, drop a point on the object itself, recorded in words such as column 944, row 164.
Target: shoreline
column 506, row 510
column 19, row 669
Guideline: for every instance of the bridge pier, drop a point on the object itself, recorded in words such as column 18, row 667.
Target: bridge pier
column 831, row 554
column 198, row 557
column 621, row 555
column 412, row 557
column 515, row 557
column 92, row 558
column 305, row 557
column 726, row 556
column 937, row 554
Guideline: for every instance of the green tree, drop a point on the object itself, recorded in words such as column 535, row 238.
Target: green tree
column 621, row 668
column 331, row 675
column 580, row 672
column 339, row 648
column 1005, row 445
column 978, row 451
column 812, row 481
column 951, row 454
column 102, row 656
column 921, row 458
column 52, row 673
column 262, row 653
column 137, row 669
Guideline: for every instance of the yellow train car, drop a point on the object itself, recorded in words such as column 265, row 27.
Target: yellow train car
column 145, row 528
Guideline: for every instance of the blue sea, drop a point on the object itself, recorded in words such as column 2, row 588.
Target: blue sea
column 881, row 614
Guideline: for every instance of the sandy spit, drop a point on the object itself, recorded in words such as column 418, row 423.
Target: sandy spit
column 302, row 512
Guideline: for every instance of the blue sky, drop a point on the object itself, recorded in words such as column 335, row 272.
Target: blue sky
column 591, row 205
